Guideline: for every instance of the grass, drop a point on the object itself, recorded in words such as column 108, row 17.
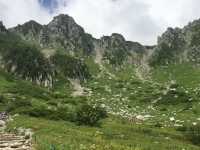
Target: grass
column 123, row 96
column 185, row 74
column 163, row 108
column 114, row 134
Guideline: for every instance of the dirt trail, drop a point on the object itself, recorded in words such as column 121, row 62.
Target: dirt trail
column 10, row 141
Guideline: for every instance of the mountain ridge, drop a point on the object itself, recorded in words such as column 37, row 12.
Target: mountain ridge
column 60, row 81
column 64, row 36
column 63, row 32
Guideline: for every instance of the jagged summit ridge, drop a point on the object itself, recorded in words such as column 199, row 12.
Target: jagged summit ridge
column 66, row 26
column 64, row 33
column 178, row 45
column 65, row 36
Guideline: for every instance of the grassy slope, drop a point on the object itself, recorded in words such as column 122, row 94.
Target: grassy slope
column 113, row 135
column 123, row 95
column 185, row 74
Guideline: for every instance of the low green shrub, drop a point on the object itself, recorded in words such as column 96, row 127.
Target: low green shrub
column 28, row 89
column 43, row 112
column 64, row 114
column 89, row 115
column 176, row 95
column 158, row 125
column 52, row 102
column 17, row 103
column 2, row 99
column 192, row 133
column 39, row 111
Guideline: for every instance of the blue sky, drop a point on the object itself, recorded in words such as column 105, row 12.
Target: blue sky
column 136, row 20
column 50, row 5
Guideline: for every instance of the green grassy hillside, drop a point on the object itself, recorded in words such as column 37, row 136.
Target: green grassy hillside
column 186, row 74
column 114, row 108
column 160, row 123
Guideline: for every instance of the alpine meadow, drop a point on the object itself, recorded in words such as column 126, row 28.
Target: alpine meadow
column 61, row 88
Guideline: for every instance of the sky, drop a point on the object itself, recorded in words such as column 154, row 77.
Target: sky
column 137, row 20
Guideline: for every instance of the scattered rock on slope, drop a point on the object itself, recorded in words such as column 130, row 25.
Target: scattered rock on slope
column 9, row 141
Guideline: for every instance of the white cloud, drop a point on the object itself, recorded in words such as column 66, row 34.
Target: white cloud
column 14, row 12
column 137, row 20
column 104, row 17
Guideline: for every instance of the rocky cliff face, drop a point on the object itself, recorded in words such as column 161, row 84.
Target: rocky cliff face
column 116, row 50
column 178, row 45
column 64, row 33
column 67, row 44
column 61, row 33
column 29, row 31
column 28, row 62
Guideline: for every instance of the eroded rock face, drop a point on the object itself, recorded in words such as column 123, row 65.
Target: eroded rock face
column 117, row 50
column 171, row 45
column 178, row 45
column 28, row 31
column 64, row 33
column 63, row 30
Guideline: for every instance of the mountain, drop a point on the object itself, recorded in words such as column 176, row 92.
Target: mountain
column 117, row 50
column 64, row 33
column 60, row 81
column 61, row 32
column 178, row 45
column 62, row 48
column 65, row 38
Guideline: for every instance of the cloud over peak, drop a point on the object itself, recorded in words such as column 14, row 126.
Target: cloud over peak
column 137, row 20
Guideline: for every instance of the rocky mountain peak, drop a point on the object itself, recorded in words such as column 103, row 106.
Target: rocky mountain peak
column 118, row 37
column 178, row 45
column 26, row 28
column 170, row 35
column 65, row 25
column 63, row 19
column 114, row 41
column 32, row 23
column 63, row 32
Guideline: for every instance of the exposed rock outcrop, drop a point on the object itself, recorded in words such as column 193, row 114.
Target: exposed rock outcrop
column 178, row 45
column 116, row 50
column 11, row 141
column 64, row 33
